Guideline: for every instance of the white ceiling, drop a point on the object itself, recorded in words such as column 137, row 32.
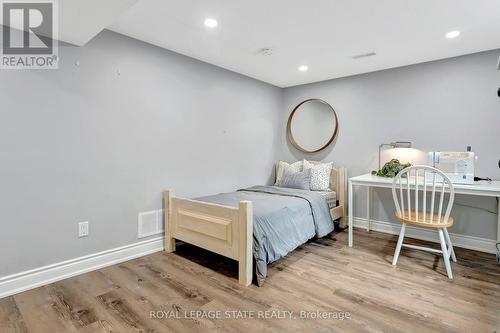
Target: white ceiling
column 82, row 20
column 323, row 34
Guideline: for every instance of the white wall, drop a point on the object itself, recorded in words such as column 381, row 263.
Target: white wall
column 439, row 106
column 99, row 142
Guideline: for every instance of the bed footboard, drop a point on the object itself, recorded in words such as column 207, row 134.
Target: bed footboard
column 225, row 230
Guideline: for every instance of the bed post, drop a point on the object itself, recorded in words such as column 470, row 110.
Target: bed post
column 167, row 213
column 245, row 256
column 342, row 194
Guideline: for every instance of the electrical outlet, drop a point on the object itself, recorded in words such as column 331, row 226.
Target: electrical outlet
column 83, row 229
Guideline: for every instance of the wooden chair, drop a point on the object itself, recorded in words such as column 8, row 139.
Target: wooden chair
column 416, row 181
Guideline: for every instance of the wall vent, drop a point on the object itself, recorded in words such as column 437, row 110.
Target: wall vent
column 364, row 55
column 150, row 223
column 266, row 51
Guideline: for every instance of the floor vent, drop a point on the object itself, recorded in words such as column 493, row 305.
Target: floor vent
column 150, row 223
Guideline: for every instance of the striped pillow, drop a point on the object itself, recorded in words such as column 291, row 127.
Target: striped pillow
column 283, row 166
column 300, row 180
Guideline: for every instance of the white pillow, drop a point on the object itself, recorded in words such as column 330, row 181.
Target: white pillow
column 320, row 175
column 289, row 168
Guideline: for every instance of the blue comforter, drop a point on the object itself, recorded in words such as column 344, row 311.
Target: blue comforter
column 283, row 220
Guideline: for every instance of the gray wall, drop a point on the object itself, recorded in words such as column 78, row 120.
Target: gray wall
column 439, row 106
column 100, row 141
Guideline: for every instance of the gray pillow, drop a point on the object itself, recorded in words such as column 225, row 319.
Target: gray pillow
column 299, row 180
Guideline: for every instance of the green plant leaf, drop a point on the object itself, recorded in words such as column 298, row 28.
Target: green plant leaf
column 391, row 168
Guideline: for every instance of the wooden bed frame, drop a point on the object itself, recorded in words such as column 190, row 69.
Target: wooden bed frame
column 227, row 230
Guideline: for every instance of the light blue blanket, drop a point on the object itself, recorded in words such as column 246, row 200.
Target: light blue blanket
column 284, row 219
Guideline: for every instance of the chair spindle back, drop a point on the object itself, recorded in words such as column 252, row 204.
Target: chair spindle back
column 425, row 179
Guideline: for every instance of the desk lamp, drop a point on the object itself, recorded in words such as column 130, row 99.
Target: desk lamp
column 397, row 144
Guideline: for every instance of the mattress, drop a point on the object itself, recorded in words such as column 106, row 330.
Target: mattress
column 330, row 196
column 283, row 219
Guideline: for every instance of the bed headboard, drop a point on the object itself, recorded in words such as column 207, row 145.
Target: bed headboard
column 338, row 183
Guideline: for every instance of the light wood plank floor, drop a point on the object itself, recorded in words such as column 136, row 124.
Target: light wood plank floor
column 323, row 275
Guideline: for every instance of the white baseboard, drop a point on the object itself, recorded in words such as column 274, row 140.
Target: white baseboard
column 468, row 242
column 16, row 283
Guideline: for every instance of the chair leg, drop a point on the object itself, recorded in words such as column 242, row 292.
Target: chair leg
column 400, row 243
column 450, row 245
column 446, row 257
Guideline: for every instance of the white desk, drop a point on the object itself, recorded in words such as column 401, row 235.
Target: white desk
column 481, row 188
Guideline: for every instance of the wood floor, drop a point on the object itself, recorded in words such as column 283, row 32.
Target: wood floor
column 324, row 275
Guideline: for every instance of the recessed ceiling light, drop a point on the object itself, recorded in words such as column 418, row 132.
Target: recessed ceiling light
column 303, row 68
column 211, row 23
column 453, row 34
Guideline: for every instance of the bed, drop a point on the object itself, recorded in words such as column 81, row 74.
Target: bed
column 259, row 224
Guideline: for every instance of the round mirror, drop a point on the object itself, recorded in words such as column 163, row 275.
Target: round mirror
column 312, row 125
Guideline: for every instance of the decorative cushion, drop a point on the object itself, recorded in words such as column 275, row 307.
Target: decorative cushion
column 320, row 175
column 300, row 180
column 283, row 166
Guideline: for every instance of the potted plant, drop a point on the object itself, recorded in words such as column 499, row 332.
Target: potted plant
column 391, row 168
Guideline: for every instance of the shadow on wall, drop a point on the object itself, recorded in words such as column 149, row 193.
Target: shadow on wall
column 272, row 177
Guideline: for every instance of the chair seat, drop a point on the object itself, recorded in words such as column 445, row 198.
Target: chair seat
column 412, row 219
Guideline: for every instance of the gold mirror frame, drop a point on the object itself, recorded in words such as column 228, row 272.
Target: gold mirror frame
column 289, row 127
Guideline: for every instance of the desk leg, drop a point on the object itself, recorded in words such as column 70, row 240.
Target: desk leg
column 368, row 208
column 498, row 221
column 350, row 213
